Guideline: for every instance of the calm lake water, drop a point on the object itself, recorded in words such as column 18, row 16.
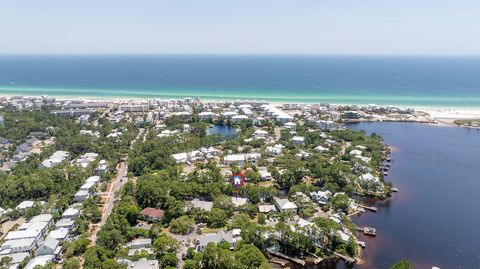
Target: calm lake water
column 222, row 130
column 435, row 218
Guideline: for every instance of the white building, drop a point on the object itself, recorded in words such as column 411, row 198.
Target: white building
column 55, row 159
column 71, row 213
column 284, row 205
column 321, row 197
column 81, row 196
column 260, row 134
column 235, row 159
column 50, row 246
column 291, row 125
column 298, row 140
column 86, row 159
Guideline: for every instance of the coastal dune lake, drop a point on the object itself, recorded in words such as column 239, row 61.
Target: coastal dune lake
column 434, row 219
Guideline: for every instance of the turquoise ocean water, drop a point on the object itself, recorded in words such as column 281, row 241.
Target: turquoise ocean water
column 415, row 81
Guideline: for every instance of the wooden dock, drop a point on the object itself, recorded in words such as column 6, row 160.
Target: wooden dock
column 288, row 258
column 371, row 208
column 346, row 258
column 368, row 231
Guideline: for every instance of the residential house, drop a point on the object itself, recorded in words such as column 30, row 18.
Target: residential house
column 206, row 115
column 275, row 150
column 205, row 205
column 266, row 208
column 50, row 246
column 239, row 201
column 65, row 223
column 298, row 140
column 27, row 204
column 71, row 213
column 321, row 197
column 17, row 246
column 235, row 159
column 320, row 149
column 81, row 196
column 152, row 214
column 39, row 261
column 55, row 159
column 59, row 233
column 260, row 134
column 101, row 169
column 222, row 236
column 239, row 118
column 284, row 205
column 291, row 125
column 139, row 245
column 87, row 158
column 143, row 263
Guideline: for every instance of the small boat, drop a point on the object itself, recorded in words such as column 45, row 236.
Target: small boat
column 385, row 173
column 393, row 189
column 389, row 159
column 362, row 244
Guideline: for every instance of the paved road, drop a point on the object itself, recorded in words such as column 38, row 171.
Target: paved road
column 184, row 239
column 114, row 187
column 107, row 209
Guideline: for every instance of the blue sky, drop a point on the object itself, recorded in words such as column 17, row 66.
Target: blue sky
column 241, row 26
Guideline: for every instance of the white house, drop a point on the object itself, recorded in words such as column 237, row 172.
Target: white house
column 206, row 115
column 143, row 263
column 321, row 197
column 291, row 125
column 260, row 134
column 239, row 118
column 369, row 178
column 39, row 261
column 238, row 201
column 87, row 186
column 252, row 157
column 265, row 175
column 27, row 204
column 320, row 149
column 275, row 150
column 55, row 159
column 59, row 234
column 205, row 205
column 18, row 245
column 284, row 205
column 326, row 124
column 180, row 157
column 71, row 213
column 93, row 179
column 266, row 208
column 65, row 223
column 298, row 140
column 101, row 168
column 216, row 238
column 84, row 160
column 302, row 155
column 235, row 159
column 50, row 246
column 81, row 196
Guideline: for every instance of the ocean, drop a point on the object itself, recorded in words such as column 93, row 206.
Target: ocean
column 384, row 80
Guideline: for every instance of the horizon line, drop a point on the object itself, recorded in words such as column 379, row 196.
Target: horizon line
column 236, row 54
